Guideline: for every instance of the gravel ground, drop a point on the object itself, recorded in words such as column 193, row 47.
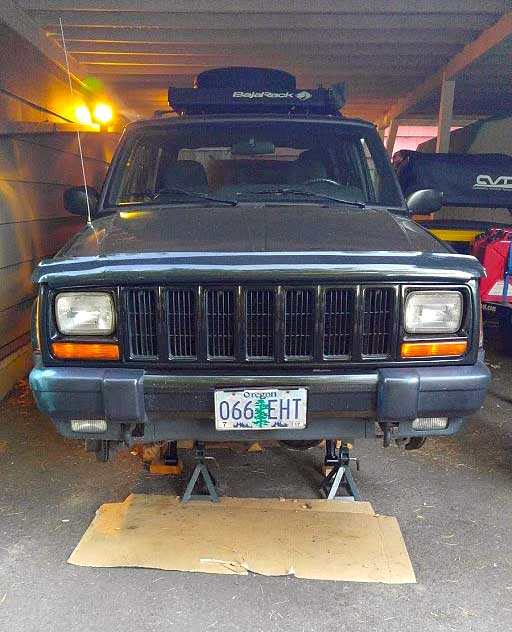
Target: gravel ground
column 453, row 500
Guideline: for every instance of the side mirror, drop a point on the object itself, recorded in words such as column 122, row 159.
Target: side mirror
column 75, row 200
column 424, row 201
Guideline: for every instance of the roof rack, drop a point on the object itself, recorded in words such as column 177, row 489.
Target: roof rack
column 254, row 90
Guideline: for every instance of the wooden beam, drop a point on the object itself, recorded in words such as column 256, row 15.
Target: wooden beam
column 21, row 24
column 21, row 127
column 329, row 74
column 271, row 6
column 283, row 21
column 14, row 18
column 341, row 63
column 444, row 123
column 428, row 120
column 318, row 49
column 248, row 36
column 487, row 40
column 393, row 129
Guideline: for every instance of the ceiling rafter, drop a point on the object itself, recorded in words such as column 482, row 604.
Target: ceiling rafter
column 389, row 51
column 248, row 37
column 271, row 6
column 485, row 42
column 20, row 23
column 213, row 20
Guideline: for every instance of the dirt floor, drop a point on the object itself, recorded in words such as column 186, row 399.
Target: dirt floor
column 453, row 499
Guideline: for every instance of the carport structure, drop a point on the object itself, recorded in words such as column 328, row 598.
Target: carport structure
column 394, row 55
column 444, row 63
column 412, row 62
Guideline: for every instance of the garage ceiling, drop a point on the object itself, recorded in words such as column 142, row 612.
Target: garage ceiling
column 383, row 49
column 483, row 88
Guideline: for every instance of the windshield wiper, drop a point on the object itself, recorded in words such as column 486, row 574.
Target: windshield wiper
column 196, row 194
column 303, row 191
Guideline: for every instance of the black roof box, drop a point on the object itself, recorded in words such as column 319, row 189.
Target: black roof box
column 254, row 90
column 245, row 78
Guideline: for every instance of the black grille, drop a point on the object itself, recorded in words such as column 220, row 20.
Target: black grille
column 182, row 323
column 259, row 318
column 298, row 323
column 377, row 321
column 339, row 305
column 274, row 324
column 220, row 323
column 142, row 324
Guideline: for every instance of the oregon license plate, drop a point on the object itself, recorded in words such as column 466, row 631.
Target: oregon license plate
column 261, row 409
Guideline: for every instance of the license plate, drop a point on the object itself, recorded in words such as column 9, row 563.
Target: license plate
column 261, row 409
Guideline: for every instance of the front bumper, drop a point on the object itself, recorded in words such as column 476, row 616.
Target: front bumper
column 143, row 407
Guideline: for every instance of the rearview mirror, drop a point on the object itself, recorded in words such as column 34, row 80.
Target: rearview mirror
column 424, row 201
column 253, row 147
column 75, row 200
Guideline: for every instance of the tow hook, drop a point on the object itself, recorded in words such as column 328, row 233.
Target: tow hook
column 128, row 434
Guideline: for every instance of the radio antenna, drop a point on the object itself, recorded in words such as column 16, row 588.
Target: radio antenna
column 89, row 219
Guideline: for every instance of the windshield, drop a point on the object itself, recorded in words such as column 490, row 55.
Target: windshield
column 282, row 161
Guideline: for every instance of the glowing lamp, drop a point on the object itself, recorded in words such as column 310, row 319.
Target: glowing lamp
column 83, row 115
column 102, row 113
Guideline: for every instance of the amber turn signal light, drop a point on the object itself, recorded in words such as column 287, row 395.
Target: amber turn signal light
column 433, row 349
column 85, row 351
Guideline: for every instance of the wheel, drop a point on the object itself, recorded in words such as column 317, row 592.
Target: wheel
column 300, row 445
column 411, row 443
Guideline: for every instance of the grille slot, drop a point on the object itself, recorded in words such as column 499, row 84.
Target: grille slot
column 142, row 324
column 220, row 323
column 181, row 306
column 259, row 319
column 377, row 321
column 298, row 323
column 339, row 306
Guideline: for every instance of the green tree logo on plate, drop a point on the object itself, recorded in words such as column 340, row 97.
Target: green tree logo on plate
column 261, row 413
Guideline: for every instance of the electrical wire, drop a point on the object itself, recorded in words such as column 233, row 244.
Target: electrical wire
column 89, row 219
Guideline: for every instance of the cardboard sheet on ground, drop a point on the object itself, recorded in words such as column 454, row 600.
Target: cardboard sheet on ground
column 311, row 539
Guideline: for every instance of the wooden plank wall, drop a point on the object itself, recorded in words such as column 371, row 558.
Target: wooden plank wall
column 35, row 169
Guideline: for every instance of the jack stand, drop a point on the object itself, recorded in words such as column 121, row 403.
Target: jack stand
column 340, row 473
column 201, row 470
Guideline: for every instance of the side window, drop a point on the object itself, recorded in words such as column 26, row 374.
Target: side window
column 139, row 173
column 351, row 171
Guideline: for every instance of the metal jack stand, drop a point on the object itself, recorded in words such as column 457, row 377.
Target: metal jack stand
column 340, row 473
column 201, row 470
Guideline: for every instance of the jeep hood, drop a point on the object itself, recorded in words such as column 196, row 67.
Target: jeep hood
column 287, row 241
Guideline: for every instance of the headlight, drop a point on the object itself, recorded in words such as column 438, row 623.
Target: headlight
column 85, row 313
column 433, row 312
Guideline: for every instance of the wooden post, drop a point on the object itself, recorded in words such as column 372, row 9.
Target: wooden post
column 444, row 121
column 393, row 129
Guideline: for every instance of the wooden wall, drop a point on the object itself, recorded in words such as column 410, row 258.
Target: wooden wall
column 35, row 169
